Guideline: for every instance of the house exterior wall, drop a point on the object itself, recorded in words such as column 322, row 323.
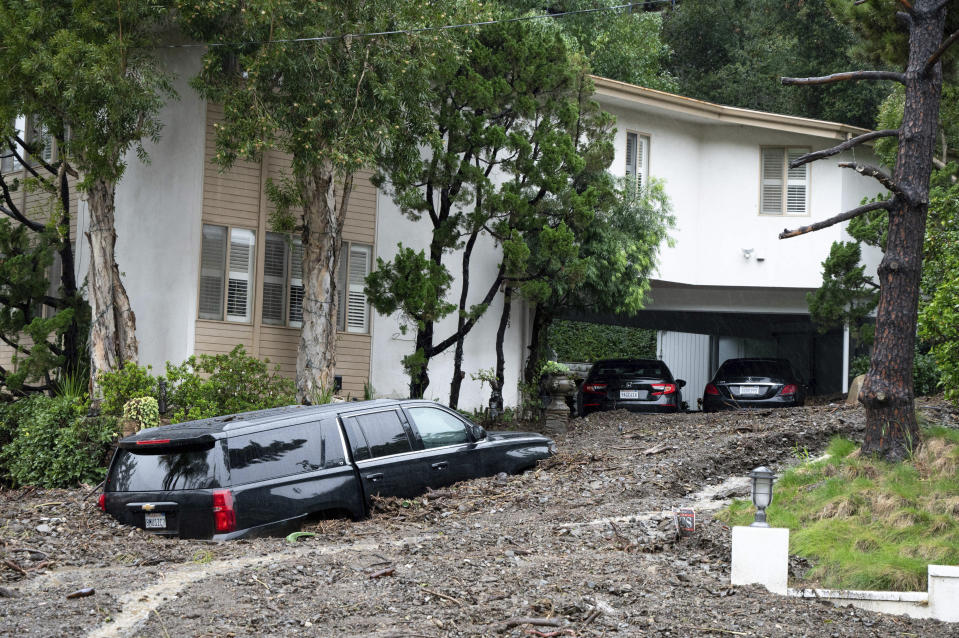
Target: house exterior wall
column 390, row 344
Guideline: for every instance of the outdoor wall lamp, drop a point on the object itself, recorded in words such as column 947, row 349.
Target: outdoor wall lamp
column 763, row 479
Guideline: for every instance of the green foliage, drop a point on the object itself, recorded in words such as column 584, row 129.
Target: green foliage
column 622, row 44
column 213, row 385
column 848, row 296
column 143, row 411
column 52, row 444
column 322, row 396
column 581, row 341
column 865, row 523
column 129, row 382
column 369, row 392
column 412, row 284
column 735, row 51
column 553, row 368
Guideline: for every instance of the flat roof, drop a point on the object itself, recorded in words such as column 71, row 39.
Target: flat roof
column 625, row 94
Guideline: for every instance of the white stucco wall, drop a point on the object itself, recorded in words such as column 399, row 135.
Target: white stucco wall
column 158, row 222
column 711, row 173
column 390, row 345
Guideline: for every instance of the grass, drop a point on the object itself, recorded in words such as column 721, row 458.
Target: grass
column 865, row 523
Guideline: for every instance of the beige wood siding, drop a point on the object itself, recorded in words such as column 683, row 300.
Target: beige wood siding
column 236, row 198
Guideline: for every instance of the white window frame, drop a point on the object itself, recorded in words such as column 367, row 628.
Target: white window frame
column 637, row 158
column 234, row 236
column 291, row 281
column 790, row 183
column 352, row 304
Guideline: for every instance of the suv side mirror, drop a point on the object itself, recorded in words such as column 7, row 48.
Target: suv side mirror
column 681, row 383
column 478, row 432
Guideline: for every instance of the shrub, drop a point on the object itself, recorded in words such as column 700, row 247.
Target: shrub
column 129, row 382
column 580, row 341
column 54, row 445
column 143, row 411
column 211, row 385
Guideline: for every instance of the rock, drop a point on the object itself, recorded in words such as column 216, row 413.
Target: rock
column 44, row 528
column 853, row 397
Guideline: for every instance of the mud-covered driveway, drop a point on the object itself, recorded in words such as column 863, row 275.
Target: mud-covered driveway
column 583, row 546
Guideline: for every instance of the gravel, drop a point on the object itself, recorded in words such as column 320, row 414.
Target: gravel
column 585, row 545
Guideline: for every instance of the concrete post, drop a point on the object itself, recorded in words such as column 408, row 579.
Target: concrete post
column 944, row 592
column 761, row 557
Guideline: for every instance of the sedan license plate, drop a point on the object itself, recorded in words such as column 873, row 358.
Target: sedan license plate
column 632, row 394
column 155, row 520
column 749, row 390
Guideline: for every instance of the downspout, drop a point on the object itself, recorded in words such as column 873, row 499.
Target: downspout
column 845, row 359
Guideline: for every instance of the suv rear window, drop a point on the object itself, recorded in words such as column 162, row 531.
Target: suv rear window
column 754, row 369
column 165, row 470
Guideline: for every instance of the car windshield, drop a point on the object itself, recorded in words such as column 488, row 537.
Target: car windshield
column 753, row 369
column 651, row 369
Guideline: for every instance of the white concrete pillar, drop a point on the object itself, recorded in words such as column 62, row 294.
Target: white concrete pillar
column 944, row 592
column 761, row 557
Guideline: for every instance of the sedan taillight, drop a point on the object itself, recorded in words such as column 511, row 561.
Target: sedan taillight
column 791, row 388
column 711, row 389
column 595, row 387
column 659, row 389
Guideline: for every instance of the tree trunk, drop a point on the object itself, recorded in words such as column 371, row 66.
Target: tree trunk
column 322, row 223
column 113, row 326
column 457, row 381
column 68, row 279
column 537, row 344
column 497, row 390
column 887, row 394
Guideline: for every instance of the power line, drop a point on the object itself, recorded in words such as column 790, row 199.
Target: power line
column 446, row 27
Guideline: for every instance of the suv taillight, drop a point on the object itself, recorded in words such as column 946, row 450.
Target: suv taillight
column 789, row 389
column 663, row 388
column 102, row 501
column 711, row 389
column 224, row 516
column 595, row 387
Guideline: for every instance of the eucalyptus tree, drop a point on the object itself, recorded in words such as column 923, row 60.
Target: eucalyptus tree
column 335, row 85
column 507, row 144
column 887, row 394
column 83, row 71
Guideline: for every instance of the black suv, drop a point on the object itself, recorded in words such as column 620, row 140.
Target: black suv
column 263, row 472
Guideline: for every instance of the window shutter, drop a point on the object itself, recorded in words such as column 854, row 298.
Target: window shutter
column 274, row 279
column 631, row 155
column 642, row 160
column 296, row 284
column 797, row 188
column 341, row 269
column 212, row 266
column 357, row 313
column 771, row 198
column 241, row 275
column 44, row 137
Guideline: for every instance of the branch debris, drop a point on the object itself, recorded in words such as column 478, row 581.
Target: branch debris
column 848, row 76
column 845, row 146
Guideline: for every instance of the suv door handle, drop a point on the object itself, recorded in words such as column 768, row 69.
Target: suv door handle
column 442, row 465
column 373, row 478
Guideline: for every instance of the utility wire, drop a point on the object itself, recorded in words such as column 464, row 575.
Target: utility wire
column 446, row 27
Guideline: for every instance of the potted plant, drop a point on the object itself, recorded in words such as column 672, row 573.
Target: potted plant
column 557, row 384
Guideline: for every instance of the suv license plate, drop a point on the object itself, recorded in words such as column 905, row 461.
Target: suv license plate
column 155, row 520
column 629, row 394
column 749, row 389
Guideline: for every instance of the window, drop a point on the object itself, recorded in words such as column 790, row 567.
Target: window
column 352, row 307
column 283, row 281
column 384, row 433
column 10, row 163
column 438, row 428
column 783, row 190
column 283, row 452
column 637, row 158
column 227, row 256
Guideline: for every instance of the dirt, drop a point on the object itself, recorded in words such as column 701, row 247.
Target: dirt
column 585, row 545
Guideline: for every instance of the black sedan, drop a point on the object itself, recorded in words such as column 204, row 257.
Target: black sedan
column 638, row 385
column 753, row 383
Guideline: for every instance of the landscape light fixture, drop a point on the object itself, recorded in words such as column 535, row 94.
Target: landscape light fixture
column 763, row 479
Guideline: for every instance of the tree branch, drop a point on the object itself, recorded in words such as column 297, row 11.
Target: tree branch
column 848, row 76
column 15, row 212
column 880, row 176
column 934, row 58
column 845, row 146
column 849, row 214
column 446, row 343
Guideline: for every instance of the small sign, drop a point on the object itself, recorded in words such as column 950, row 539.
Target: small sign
column 686, row 521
